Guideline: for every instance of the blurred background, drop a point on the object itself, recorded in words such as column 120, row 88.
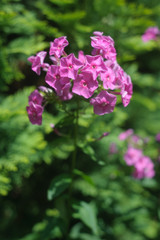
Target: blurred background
column 109, row 204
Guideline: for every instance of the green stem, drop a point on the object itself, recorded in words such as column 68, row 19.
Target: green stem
column 73, row 165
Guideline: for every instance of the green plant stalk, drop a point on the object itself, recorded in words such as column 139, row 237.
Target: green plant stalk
column 73, row 165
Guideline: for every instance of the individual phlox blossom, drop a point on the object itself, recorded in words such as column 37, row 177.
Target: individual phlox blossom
column 120, row 75
column 69, row 66
column 60, row 84
column 35, row 113
column 84, row 85
column 151, row 34
column 132, row 156
column 144, row 168
column 104, row 103
column 126, row 91
column 143, row 162
column 38, row 62
column 52, row 75
column 94, row 65
column 108, row 78
column 35, row 97
column 62, row 88
column 101, row 42
column 109, row 53
column 103, row 45
column 57, row 46
column 124, row 135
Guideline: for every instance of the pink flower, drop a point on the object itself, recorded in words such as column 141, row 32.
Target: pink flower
column 52, row 75
column 158, row 137
column 69, row 66
column 37, row 62
column 142, row 162
column 57, row 46
column 118, row 72
column 103, row 45
column 35, row 113
column 150, row 34
column 103, row 103
column 108, row 78
column 94, row 65
column 35, row 97
column 62, row 88
column 126, row 134
column 126, row 91
column 84, row 85
column 132, row 156
column 144, row 168
column 60, row 84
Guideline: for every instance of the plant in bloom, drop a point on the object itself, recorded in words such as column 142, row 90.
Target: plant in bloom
column 151, row 33
column 143, row 165
column 96, row 78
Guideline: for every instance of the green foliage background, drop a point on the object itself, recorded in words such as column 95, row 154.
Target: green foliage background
column 108, row 203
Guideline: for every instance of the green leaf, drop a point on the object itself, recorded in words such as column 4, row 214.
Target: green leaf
column 58, row 185
column 84, row 176
column 87, row 214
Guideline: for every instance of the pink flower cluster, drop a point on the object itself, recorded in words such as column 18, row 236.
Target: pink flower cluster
column 97, row 77
column 143, row 165
column 151, row 34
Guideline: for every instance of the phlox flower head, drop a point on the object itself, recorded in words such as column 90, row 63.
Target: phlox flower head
column 57, row 46
column 104, row 103
column 151, row 34
column 37, row 62
column 86, row 76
